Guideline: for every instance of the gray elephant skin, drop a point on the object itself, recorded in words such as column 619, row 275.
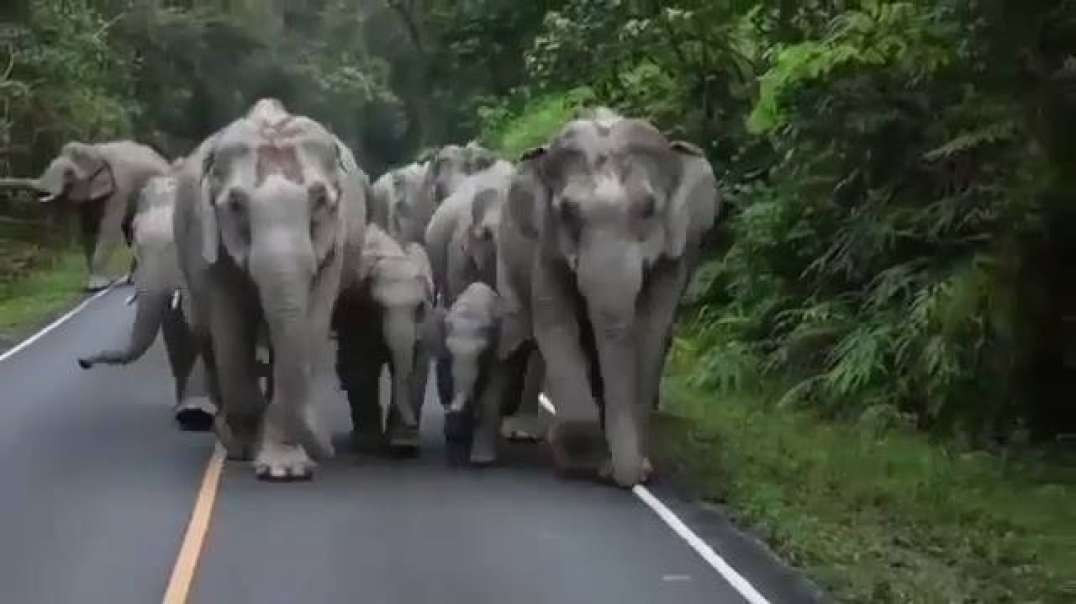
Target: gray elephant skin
column 382, row 318
column 102, row 181
column 599, row 237
column 158, row 292
column 443, row 174
column 395, row 193
column 271, row 211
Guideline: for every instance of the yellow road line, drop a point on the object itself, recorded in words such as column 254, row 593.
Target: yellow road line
column 187, row 562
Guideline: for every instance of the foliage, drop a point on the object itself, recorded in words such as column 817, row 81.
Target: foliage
column 872, row 511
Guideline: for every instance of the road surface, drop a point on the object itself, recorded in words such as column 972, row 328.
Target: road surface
column 100, row 487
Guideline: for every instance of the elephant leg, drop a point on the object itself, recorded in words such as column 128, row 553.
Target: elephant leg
column 109, row 235
column 503, row 384
column 575, row 437
column 654, row 321
column 525, row 421
column 445, row 387
column 236, row 373
column 193, row 414
column 89, row 218
column 363, row 396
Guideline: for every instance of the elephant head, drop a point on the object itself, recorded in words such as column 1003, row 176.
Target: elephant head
column 395, row 196
column 80, row 173
column 158, row 279
column 400, row 283
column 445, row 173
column 612, row 207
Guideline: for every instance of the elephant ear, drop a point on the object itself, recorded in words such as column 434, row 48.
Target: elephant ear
column 93, row 177
column 417, row 255
column 528, row 193
column 481, row 204
column 210, row 228
column 693, row 201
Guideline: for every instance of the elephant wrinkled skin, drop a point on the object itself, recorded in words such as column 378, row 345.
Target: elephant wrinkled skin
column 271, row 211
column 102, row 181
column 599, row 237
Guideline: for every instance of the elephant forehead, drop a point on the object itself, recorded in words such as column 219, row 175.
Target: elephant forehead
column 282, row 160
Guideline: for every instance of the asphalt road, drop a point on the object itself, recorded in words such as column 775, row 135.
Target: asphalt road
column 100, row 487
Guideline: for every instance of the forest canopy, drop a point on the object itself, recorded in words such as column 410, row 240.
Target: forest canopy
column 898, row 176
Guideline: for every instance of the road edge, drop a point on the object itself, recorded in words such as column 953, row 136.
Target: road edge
column 81, row 306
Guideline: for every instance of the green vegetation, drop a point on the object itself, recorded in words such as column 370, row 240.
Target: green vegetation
column 871, row 510
column 48, row 290
column 896, row 263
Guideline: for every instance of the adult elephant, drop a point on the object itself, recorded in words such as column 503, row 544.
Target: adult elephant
column 393, row 196
column 445, row 172
column 103, row 182
column 600, row 235
column 269, row 211
column 158, row 286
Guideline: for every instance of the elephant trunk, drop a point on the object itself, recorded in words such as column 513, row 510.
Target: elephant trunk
column 401, row 335
column 610, row 278
column 152, row 306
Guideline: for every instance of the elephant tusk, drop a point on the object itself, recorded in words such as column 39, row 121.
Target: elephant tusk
column 131, row 299
column 176, row 297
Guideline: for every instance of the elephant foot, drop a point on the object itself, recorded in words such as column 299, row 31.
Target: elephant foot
column 97, row 283
column 483, row 453
column 578, row 447
column 283, row 462
column 367, row 440
column 523, row 428
column 642, row 475
column 403, row 440
column 239, row 438
column 459, row 432
column 196, row 414
column 315, row 437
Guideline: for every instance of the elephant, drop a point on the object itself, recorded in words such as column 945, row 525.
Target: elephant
column 600, row 235
column 385, row 314
column 446, row 170
column 158, row 287
column 394, row 194
column 460, row 235
column 485, row 388
column 103, row 182
column 270, row 213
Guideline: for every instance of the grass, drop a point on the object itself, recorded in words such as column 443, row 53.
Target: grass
column 878, row 517
column 36, row 284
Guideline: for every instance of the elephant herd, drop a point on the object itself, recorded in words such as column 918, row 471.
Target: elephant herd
column 267, row 253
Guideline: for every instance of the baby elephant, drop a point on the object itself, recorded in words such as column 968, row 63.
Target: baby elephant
column 158, row 283
column 484, row 388
column 385, row 315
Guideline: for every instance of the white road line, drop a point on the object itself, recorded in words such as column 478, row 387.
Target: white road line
column 58, row 322
column 703, row 549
